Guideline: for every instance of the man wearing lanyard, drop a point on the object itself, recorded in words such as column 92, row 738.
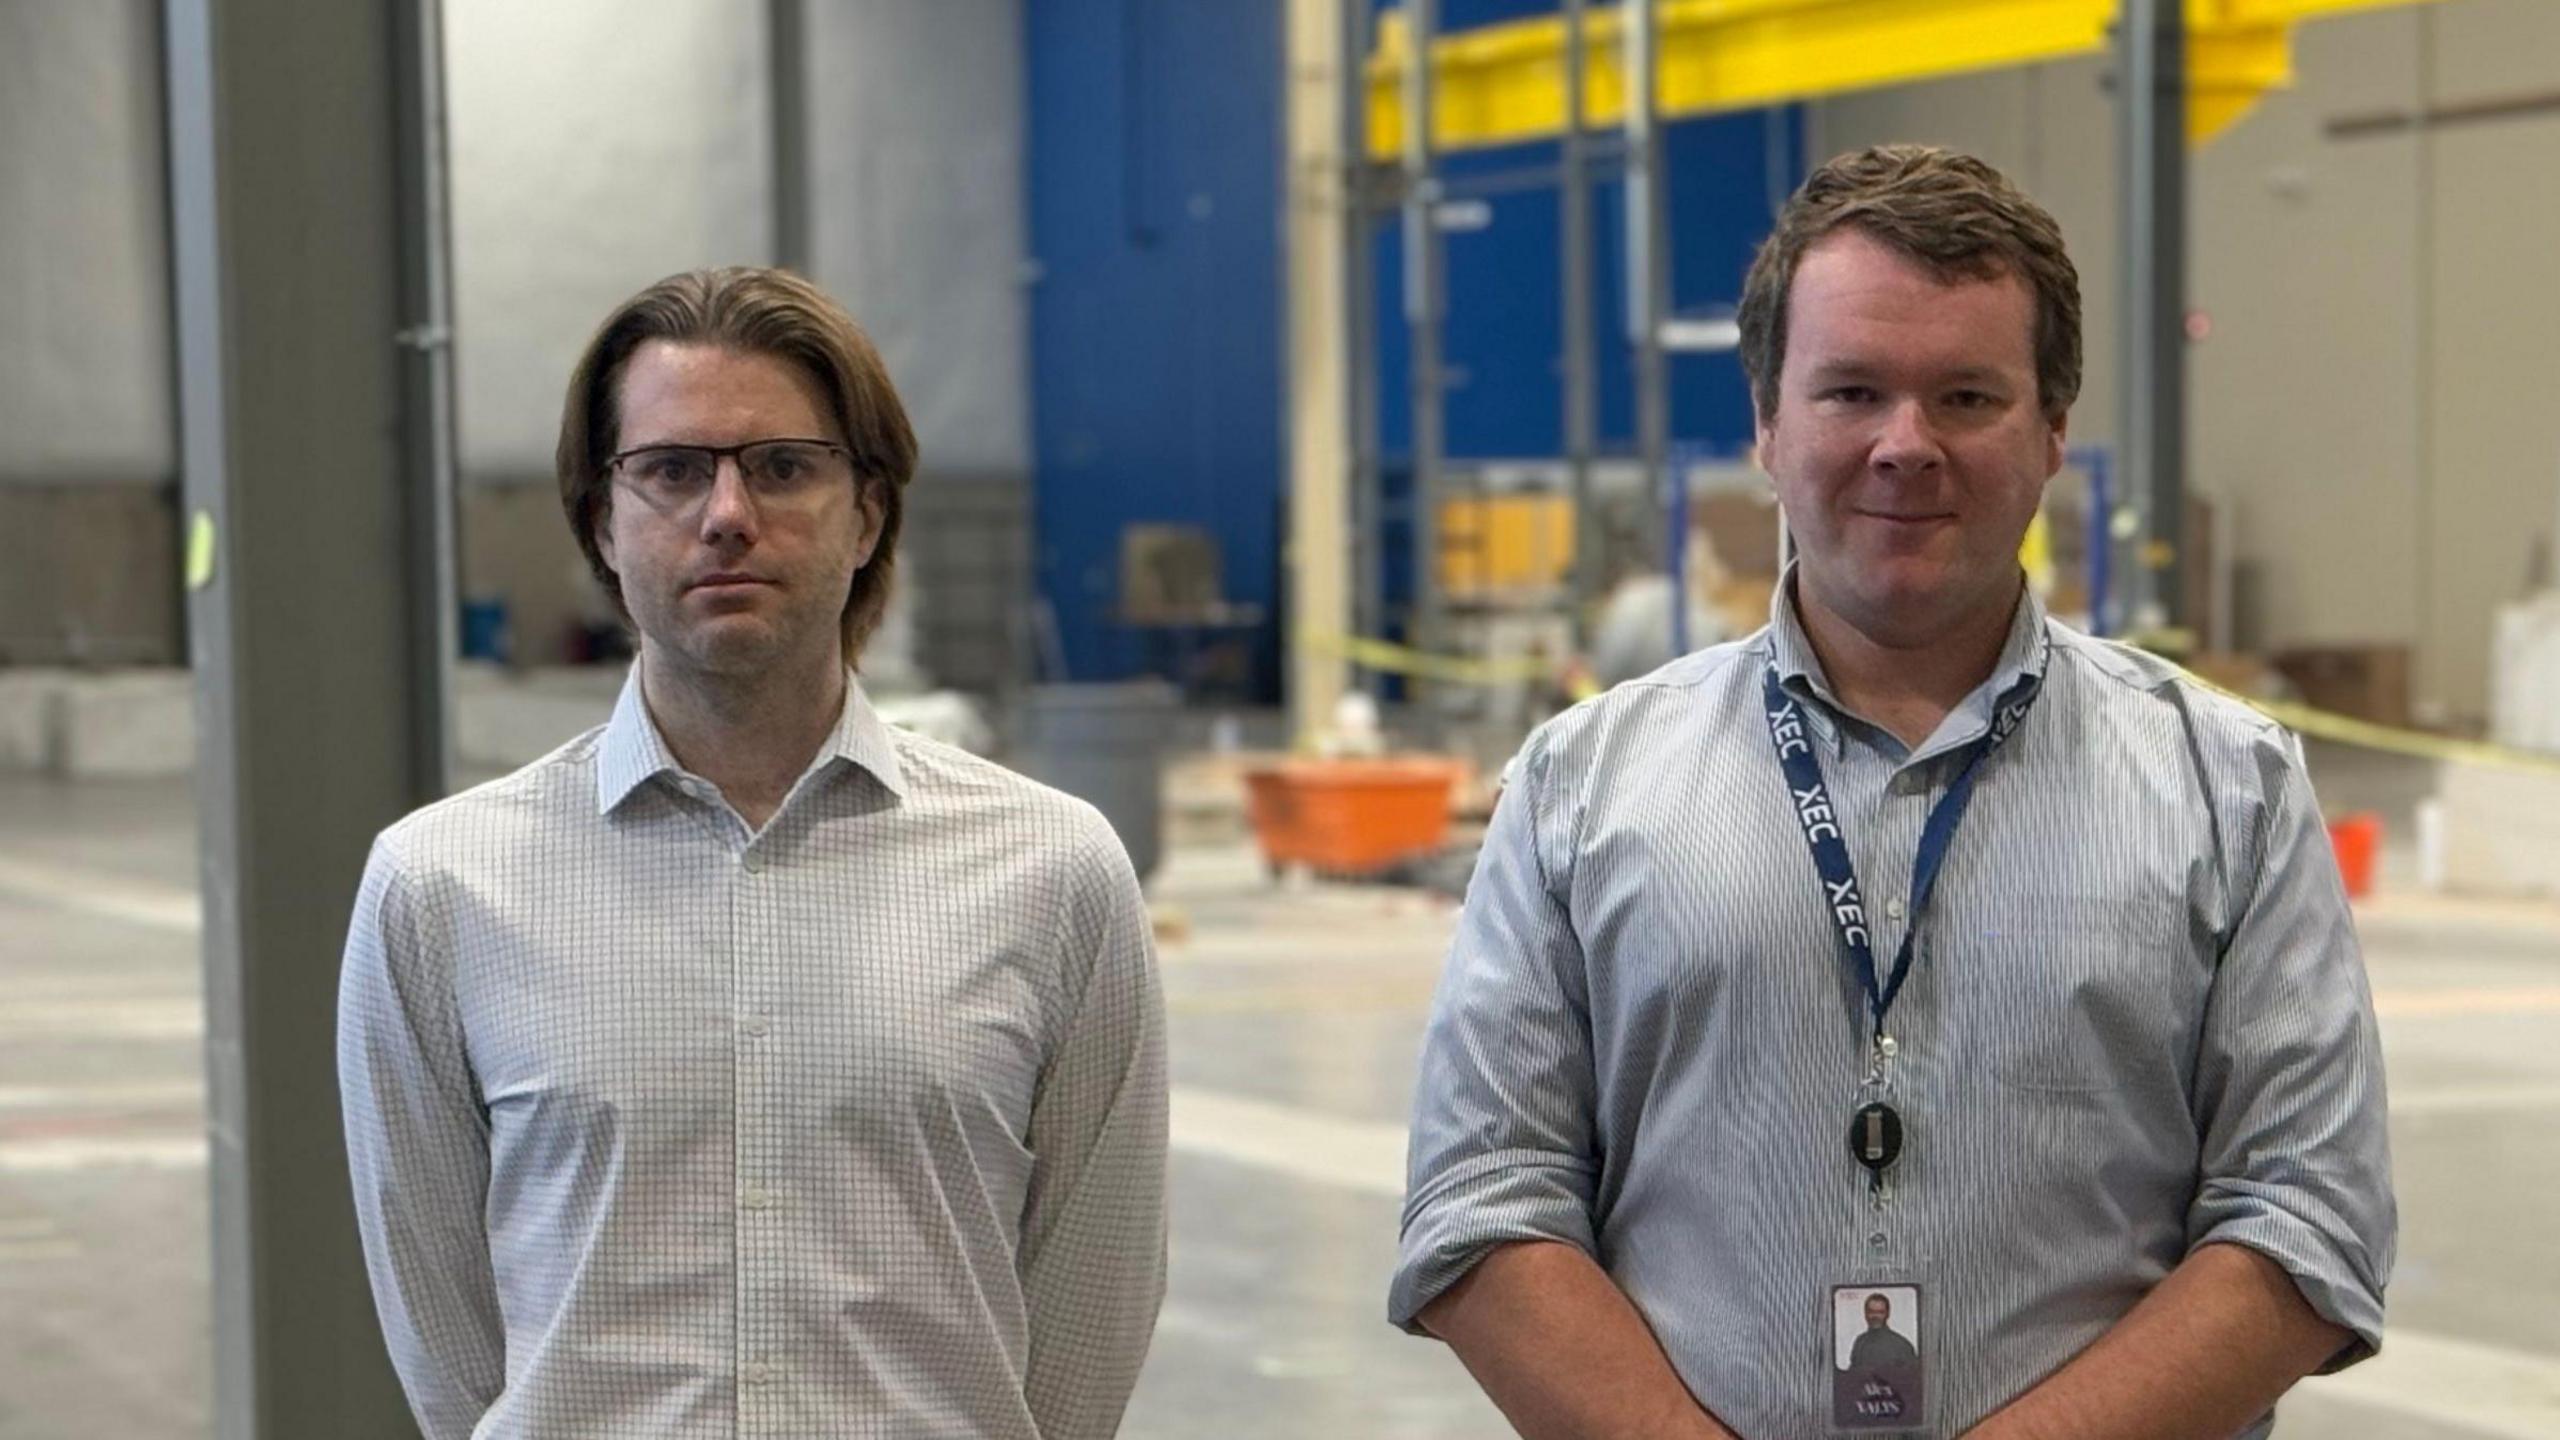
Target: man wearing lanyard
column 1912, row 946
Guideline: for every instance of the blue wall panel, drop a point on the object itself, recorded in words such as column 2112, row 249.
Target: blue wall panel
column 1156, row 339
column 1503, row 344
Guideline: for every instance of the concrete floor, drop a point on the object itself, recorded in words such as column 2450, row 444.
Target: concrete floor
column 1296, row 1014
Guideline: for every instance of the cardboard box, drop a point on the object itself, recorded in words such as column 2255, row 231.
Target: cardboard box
column 2366, row 682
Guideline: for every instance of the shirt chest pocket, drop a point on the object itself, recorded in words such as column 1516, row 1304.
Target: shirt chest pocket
column 2078, row 994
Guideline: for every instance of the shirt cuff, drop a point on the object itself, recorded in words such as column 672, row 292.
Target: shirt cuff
column 1501, row 1199
column 2336, row 1274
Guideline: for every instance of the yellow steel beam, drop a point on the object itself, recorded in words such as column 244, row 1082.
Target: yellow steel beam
column 1504, row 83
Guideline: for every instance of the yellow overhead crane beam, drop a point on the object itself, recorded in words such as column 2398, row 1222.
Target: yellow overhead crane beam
column 1500, row 84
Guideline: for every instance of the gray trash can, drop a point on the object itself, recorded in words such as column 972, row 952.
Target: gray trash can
column 1104, row 744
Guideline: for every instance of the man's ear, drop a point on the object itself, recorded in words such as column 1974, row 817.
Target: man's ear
column 600, row 525
column 867, row 501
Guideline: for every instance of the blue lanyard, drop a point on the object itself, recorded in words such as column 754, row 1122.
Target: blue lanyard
column 1811, row 800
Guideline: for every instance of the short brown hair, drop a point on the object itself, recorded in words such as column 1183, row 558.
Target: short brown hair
column 763, row 312
column 1947, row 210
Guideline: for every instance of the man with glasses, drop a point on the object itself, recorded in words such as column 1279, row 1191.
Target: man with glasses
column 746, row 1067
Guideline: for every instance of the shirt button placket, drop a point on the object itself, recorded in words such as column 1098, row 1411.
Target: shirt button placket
column 756, row 1150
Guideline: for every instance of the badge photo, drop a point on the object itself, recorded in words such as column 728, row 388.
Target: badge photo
column 1877, row 1378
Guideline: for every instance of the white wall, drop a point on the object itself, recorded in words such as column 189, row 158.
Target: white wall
column 2376, row 398
column 595, row 147
column 916, row 160
column 84, row 289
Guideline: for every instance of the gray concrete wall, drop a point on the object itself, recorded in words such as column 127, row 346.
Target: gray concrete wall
column 2375, row 397
column 84, row 260
column 87, row 416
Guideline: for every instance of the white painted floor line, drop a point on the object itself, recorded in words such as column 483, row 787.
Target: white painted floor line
column 137, row 1018
column 61, row 1153
column 2482, row 1389
column 2471, row 1099
column 114, row 1096
column 1369, row 1156
column 109, row 897
column 1362, row 1155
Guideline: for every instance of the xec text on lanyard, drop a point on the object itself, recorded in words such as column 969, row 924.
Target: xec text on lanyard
column 1875, row 1128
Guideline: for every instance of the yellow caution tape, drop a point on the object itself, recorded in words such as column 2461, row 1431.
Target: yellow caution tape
column 1396, row 659
column 1393, row 659
column 2347, row 730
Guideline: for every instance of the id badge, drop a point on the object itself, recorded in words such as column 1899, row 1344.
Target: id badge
column 1879, row 1357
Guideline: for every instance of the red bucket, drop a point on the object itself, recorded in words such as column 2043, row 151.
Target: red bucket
column 1350, row 817
column 2357, row 841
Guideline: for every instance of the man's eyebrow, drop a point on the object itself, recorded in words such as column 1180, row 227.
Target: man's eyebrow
column 1977, row 375
column 1855, row 369
column 1843, row 369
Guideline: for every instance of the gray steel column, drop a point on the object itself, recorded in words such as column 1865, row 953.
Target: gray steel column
column 430, row 469
column 1360, row 332
column 1573, row 197
column 2151, row 110
column 300, row 417
column 1648, row 257
column 787, row 77
column 1422, row 309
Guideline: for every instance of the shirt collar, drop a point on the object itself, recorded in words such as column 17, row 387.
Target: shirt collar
column 634, row 752
column 1799, row 669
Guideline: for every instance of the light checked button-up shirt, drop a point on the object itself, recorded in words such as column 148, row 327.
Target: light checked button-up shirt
column 2138, row 1023
column 853, row 1126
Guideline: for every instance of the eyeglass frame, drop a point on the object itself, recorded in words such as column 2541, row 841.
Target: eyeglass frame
column 614, row 464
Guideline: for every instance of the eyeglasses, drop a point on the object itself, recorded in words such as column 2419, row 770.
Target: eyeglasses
column 678, row 478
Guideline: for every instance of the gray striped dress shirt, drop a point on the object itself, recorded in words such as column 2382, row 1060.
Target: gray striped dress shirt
column 2138, row 1023
column 851, row 1126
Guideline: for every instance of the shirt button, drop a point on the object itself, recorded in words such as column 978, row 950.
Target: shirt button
column 1876, row 1240
column 1893, row 907
column 755, row 1028
column 753, row 861
column 757, row 1372
column 756, row 1197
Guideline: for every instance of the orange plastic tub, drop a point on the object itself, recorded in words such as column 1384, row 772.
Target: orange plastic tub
column 1352, row 817
column 2357, row 840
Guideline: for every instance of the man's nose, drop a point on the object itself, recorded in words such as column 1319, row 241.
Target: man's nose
column 729, row 511
column 1908, row 444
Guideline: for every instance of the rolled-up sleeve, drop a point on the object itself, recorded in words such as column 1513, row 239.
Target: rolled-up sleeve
column 418, row 1153
column 2296, row 1157
column 1093, row 1233
column 1503, row 1144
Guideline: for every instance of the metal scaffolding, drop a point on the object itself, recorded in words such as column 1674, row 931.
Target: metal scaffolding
column 1414, row 187
column 2151, row 90
column 1537, row 81
column 1424, row 279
